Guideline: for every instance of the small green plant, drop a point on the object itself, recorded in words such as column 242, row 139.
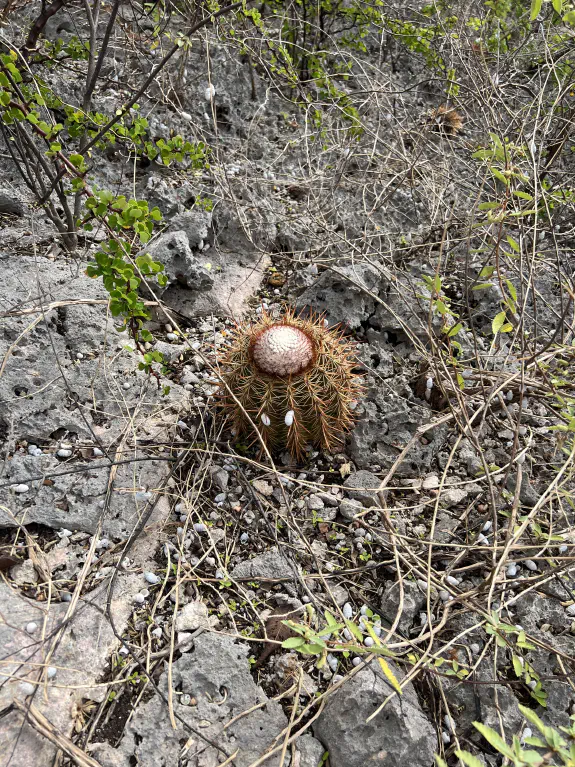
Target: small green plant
column 553, row 748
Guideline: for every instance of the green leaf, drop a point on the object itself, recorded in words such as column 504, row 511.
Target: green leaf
column 522, row 195
column 494, row 739
column 482, row 286
column 517, row 666
column 535, row 8
column 513, row 244
column 454, row 330
column 557, row 5
column 489, row 205
column 293, row 642
column 498, row 175
column 498, row 322
column 468, row 759
column 511, row 288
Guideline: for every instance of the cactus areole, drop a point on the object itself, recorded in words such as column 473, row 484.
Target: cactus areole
column 292, row 380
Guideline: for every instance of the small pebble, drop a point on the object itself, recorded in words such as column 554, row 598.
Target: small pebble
column 199, row 527
column 244, row 538
column 126, row 385
column 152, row 578
column 356, row 661
column 289, row 417
column 171, row 337
column 444, row 596
column 265, row 419
column 31, row 627
column 563, row 548
column 509, row 396
column 527, row 733
column 64, row 533
column 487, row 526
column 21, row 488
column 97, row 451
column 62, row 453
column 452, row 580
column 65, row 596
column 363, row 610
column 336, row 678
column 79, row 356
column 139, row 599
column 475, row 648
column 511, row 571
column 530, row 565
column 570, row 610
column 347, row 610
column 27, row 688
column 445, row 737
column 51, row 672
column 157, row 632
column 369, row 642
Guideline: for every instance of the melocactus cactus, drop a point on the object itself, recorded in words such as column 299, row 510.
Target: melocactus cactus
column 294, row 378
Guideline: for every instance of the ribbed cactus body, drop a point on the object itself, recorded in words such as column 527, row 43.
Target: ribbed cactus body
column 294, row 378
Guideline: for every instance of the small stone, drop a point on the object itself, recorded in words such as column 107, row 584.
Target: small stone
column 97, row 452
column 27, row 688
column 244, row 538
column 31, row 627
column 126, row 385
column 199, row 527
column 530, row 565
column 171, row 337
column 347, row 611
column 452, row 580
column 152, row 578
column 314, row 502
column 51, row 672
column 369, row 642
column 350, row 508
column 139, row 599
column 431, row 482
column 263, row 487
column 63, row 453
column 21, row 488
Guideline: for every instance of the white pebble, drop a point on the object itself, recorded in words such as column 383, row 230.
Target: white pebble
column 244, row 538
column 126, row 385
column 563, row 548
column 532, row 684
column 210, row 92
column 288, row 420
column 27, row 688
column 527, row 733
column 530, row 565
column 475, row 648
column 51, row 672
column 356, row 661
column 79, row 356
column 157, row 632
column 31, row 627
column 64, row 533
column 32, row 449
column 445, row 737
column 449, row 723
column 186, row 116
column 570, row 610
column 487, row 526
column 152, row 578
column 265, row 419
column 511, row 571
column 21, row 488
column 522, row 431
column 368, row 642
column 97, row 451
column 481, row 539
column 509, row 396
column 452, row 580
column 336, row 678
column 199, row 527
column 171, row 336
column 332, row 662
column 444, row 596
column 363, row 610
column 139, row 599
column 429, row 383
column 347, row 635
column 62, row 453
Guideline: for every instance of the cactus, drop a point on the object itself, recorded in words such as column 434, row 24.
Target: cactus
column 294, row 378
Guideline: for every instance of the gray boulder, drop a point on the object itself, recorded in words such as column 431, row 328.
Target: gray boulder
column 180, row 265
column 399, row 736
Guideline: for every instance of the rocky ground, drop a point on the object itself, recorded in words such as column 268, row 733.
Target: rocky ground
column 147, row 558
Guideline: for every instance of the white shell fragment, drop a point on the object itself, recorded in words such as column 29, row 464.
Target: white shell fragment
column 265, row 419
column 288, row 420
